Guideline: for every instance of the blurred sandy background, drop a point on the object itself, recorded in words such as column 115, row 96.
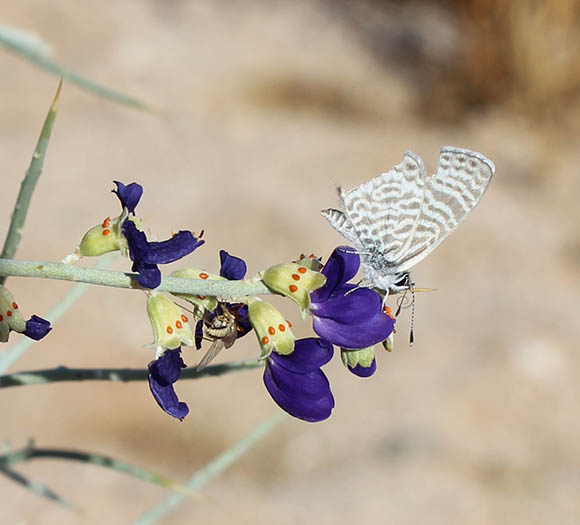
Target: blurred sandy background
column 265, row 106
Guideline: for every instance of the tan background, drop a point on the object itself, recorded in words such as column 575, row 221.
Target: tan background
column 264, row 108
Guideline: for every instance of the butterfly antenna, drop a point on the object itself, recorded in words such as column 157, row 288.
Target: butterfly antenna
column 411, row 333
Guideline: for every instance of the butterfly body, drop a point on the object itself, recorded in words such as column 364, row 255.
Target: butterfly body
column 396, row 219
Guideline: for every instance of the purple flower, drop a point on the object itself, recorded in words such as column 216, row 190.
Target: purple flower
column 163, row 373
column 37, row 327
column 144, row 254
column 296, row 382
column 343, row 314
column 147, row 255
column 128, row 195
column 232, row 267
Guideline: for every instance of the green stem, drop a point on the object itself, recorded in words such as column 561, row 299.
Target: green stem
column 32, row 452
column 70, row 272
column 62, row 373
column 28, row 184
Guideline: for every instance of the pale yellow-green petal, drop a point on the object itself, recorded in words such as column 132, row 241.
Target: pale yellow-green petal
column 170, row 325
column 294, row 281
column 272, row 330
column 363, row 357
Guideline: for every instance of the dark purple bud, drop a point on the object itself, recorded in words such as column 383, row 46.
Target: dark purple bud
column 232, row 268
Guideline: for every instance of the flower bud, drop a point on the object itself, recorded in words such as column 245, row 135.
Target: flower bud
column 360, row 362
column 295, row 281
column 170, row 325
column 272, row 330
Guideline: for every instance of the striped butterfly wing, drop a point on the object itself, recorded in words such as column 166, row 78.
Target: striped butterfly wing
column 383, row 211
column 342, row 225
column 450, row 194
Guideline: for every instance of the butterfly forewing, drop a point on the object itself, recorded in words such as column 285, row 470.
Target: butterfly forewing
column 384, row 210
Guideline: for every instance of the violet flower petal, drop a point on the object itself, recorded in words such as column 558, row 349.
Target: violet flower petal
column 309, row 355
column 365, row 333
column 180, row 245
column 232, row 268
column 163, row 373
column 342, row 265
column 240, row 312
column 37, row 328
column 149, row 276
column 363, row 371
column 349, row 307
column 128, row 195
column 198, row 334
column 305, row 396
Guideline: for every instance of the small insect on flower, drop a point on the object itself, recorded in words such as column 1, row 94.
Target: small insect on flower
column 220, row 327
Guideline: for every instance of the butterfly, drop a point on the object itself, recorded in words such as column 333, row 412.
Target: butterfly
column 398, row 218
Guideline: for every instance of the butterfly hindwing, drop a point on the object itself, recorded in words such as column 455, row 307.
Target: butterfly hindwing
column 450, row 194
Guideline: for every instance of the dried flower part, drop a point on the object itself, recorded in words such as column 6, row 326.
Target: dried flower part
column 295, row 281
column 310, row 261
column 10, row 316
column 272, row 330
column 201, row 303
column 360, row 362
column 170, row 325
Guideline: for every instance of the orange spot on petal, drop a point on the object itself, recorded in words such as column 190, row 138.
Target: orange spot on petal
column 281, row 327
column 15, row 306
column 293, row 288
column 288, row 323
column 9, row 313
column 302, row 270
column 295, row 276
column 107, row 222
column 1, row 318
column 178, row 324
column 169, row 330
column 184, row 318
column 265, row 340
column 106, row 232
column 203, row 275
column 271, row 330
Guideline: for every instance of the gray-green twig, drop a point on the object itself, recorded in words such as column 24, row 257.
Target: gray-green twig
column 62, row 373
column 70, row 272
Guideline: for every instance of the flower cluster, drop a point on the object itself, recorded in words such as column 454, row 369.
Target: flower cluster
column 343, row 314
column 124, row 233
